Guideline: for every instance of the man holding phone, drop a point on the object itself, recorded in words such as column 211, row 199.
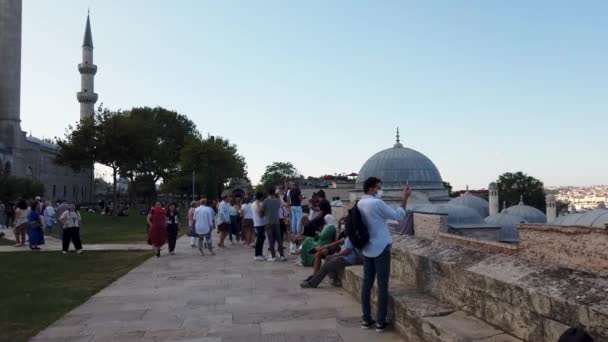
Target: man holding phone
column 377, row 252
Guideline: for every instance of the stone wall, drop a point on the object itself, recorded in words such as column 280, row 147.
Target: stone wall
column 492, row 247
column 428, row 226
column 529, row 300
column 580, row 248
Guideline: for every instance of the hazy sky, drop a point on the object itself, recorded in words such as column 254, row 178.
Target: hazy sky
column 480, row 87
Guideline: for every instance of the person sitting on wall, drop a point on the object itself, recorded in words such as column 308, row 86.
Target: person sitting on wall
column 334, row 263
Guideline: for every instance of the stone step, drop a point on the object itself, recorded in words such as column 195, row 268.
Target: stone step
column 420, row 317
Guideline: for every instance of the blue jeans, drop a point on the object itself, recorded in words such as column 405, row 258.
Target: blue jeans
column 203, row 237
column 379, row 267
column 296, row 219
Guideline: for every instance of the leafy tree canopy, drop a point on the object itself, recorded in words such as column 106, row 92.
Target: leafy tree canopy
column 277, row 173
column 513, row 186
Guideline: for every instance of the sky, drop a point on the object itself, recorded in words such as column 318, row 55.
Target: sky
column 480, row 87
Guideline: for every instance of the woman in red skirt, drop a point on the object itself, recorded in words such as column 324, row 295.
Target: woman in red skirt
column 157, row 228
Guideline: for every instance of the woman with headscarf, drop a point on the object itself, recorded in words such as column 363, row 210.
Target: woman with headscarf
column 157, row 228
column 35, row 222
column 327, row 235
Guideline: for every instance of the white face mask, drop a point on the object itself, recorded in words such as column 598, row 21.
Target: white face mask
column 379, row 193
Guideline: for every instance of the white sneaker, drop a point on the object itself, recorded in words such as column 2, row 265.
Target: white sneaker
column 259, row 258
column 283, row 258
column 292, row 248
column 299, row 262
column 271, row 259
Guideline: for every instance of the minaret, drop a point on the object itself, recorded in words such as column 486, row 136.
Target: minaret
column 551, row 208
column 493, row 198
column 10, row 71
column 87, row 96
column 398, row 141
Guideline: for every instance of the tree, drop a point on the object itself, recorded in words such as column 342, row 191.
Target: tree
column 448, row 187
column 12, row 188
column 215, row 162
column 277, row 173
column 513, row 186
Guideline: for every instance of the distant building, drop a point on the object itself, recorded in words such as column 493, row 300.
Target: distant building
column 27, row 156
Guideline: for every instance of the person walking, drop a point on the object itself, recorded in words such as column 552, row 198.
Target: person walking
column 71, row 221
column 49, row 217
column 35, row 222
column 157, row 228
column 21, row 218
column 377, row 251
column 259, row 223
column 223, row 212
column 10, row 214
column 235, row 225
column 270, row 209
column 295, row 203
column 248, row 227
column 204, row 223
column 172, row 227
column 192, row 233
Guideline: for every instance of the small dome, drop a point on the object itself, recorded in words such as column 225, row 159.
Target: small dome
column 550, row 198
column 399, row 165
column 457, row 214
column 508, row 223
column 493, row 186
column 474, row 202
column 528, row 213
column 597, row 218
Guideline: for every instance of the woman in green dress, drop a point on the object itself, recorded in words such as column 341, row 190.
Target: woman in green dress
column 327, row 235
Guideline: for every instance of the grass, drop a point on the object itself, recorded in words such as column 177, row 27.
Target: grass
column 5, row 242
column 101, row 229
column 39, row 288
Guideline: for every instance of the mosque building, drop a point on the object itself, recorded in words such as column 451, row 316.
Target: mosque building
column 27, row 156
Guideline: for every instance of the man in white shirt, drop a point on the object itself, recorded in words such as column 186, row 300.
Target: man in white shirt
column 377, row 251
column 259, row 222
column 203, row 225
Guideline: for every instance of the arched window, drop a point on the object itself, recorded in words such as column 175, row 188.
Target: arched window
column 30, row 172
column 74, row 193
column 7, row 168
column 54, row 191
column 65, row 192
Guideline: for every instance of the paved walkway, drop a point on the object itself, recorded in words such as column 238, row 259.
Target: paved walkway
column 227, row 297
column 54, row 244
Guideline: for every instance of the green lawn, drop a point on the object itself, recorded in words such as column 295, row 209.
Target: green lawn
column 98, row 228
column 39, row 288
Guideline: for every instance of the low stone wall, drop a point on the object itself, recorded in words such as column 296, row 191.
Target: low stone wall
column 580, row 248
column 486, row 246
column 531, row 301
column 428, row 226
column 481, row 233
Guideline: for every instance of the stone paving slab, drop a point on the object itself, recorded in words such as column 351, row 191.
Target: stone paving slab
column 223, row 298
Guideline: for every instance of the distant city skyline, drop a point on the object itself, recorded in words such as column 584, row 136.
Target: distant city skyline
column 481, row 88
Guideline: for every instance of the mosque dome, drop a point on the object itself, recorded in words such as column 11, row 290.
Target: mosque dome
column 597, row 218
column 508, row 223
column 474, row 202
column 528, row 213
column 457, row 214
column 398, row 166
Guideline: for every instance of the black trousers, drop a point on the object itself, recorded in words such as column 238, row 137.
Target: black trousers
column 172, row 236
column 71, row 234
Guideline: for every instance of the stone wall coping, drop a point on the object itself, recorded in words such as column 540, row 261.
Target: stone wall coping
column 562, row 229
column 430, row 214
column 479, row 241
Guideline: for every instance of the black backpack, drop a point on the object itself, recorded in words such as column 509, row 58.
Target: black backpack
column 576, row 334
column 356, row 230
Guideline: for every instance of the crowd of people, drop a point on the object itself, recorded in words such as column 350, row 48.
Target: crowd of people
column 318, row 239
column 31, row 221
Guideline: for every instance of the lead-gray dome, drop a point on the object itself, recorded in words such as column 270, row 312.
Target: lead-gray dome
column 595, row 218
column 398, row 165
column 457, row 214
column 508, row 224
column 528, row 213
column 476, row 203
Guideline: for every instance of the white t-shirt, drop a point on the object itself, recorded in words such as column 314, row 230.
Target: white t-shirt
column 247, row 211
column 203, row 219
column 49, row 212
column 72, row 219
column 258, row 220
